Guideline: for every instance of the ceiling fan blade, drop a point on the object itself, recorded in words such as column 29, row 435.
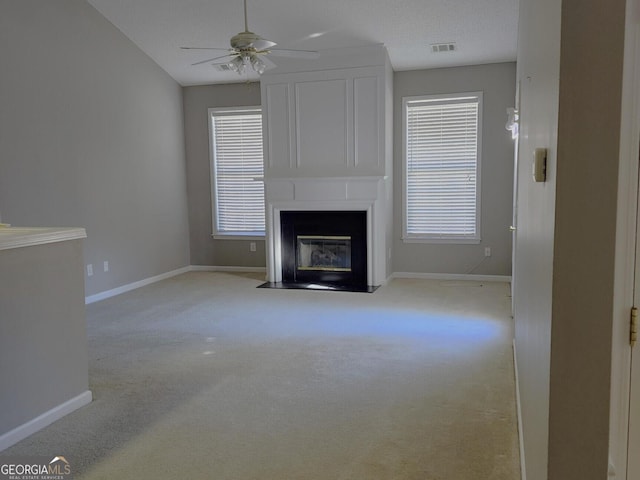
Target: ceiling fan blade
column 204, row 48
column 208, row 60
column 269, row 64
column 304, row 54
column 262, row 44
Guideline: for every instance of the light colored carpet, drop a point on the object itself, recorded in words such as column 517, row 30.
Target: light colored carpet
column 204, row 376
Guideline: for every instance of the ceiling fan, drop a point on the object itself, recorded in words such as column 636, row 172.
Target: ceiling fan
column 250, row 49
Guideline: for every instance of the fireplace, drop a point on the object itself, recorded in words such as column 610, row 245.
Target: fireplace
column 324, row 248
column 358, row 208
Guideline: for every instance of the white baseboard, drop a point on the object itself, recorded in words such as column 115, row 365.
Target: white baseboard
column 214, row 268
column 223, row 268
column 163, row 276
column 47, row 418
column 132, row 286
column 523, row 471
column 452, row 276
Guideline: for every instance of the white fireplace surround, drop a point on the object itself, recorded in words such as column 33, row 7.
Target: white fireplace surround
column 332, row 194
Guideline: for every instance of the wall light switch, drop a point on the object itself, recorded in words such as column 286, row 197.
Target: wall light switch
column 252, row 246
column 90, row 270
column 106, row 266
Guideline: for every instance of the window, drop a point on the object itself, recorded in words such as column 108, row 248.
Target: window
column 237, row 171
column 442, row 168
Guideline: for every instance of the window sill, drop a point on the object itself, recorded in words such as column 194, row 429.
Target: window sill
column 450, row 241
column 219, row 236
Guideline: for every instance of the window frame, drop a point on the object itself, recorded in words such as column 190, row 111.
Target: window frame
column 456, row 97
column 216, row 233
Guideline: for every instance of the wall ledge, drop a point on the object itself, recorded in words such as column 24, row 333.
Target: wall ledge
column 17, row 237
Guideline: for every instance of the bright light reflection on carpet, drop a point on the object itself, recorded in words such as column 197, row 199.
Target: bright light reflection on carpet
column 397, row 323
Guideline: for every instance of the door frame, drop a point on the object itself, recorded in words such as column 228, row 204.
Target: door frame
column 626, row 244
column 514, row 214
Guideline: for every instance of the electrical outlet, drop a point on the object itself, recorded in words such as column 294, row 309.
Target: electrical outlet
column 487, row 251
column 252, row 246
column 90, row 270
column 106, row 266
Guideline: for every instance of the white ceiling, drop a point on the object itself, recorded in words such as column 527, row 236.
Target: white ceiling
column 485, row 31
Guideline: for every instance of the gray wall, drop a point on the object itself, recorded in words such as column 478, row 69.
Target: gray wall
column 91, row 135
column 568, row 56
column 204, row 249
column 43, row 341
column 497, row 81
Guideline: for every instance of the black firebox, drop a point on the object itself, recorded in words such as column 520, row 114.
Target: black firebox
column 324, row 247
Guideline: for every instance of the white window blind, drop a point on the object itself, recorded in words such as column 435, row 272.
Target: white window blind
column 442, row 167
column 237, row 171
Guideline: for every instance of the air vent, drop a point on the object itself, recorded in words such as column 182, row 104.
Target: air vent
column 443, row 47
column 223, row 67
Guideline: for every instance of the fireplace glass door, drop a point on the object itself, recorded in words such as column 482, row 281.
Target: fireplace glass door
column 328, row 253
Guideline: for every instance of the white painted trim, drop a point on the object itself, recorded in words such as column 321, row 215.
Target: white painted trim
column 132, row 286
column 224, row 268
column 163, row 276
column 41, row 421
column 358, row 178
column 626, row 264
column 17, row 237
column 230, row 236
column 452, row 276
column 523, row 470
column 450, row 241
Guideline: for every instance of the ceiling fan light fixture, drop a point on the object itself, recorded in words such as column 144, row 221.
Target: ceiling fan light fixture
column 237, row 65
column 258, row 65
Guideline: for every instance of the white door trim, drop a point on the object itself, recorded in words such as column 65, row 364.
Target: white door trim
column 626, row 235
column 514, row 217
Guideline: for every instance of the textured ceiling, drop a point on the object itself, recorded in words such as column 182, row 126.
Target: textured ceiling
column 485, row 31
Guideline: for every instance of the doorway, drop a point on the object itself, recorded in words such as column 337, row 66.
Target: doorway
column 625, row 379
column 624, row 427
